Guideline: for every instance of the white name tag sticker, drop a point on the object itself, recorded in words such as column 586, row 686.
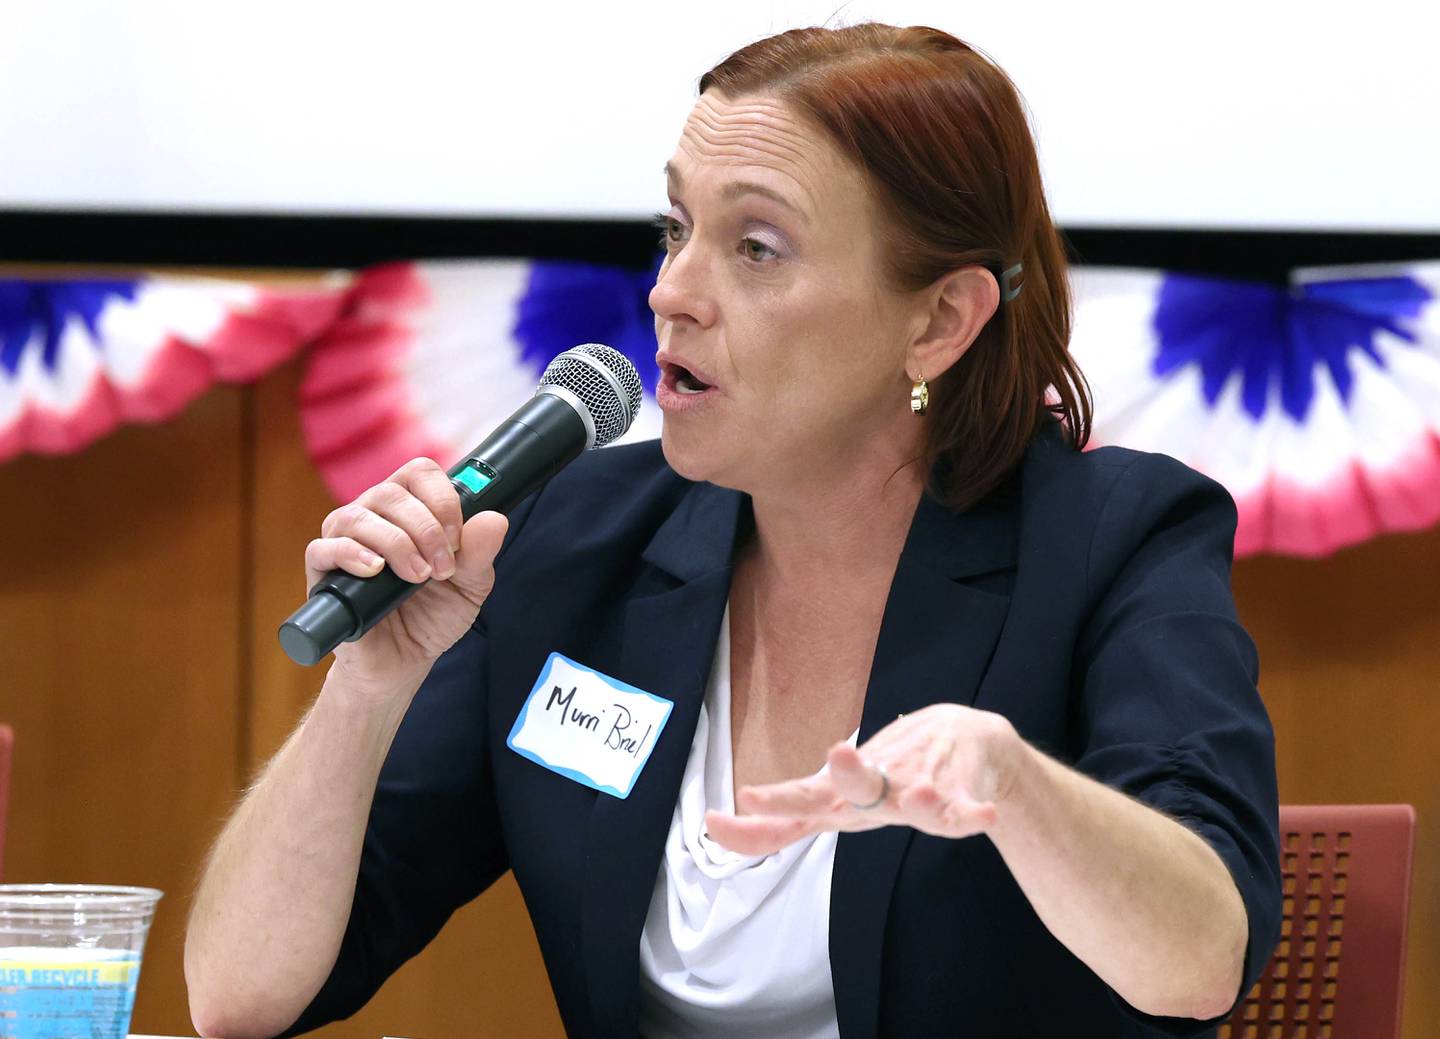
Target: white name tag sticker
column 588, row 727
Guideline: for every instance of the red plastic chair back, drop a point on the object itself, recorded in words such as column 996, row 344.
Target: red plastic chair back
column 1339, row 969
column 7, row 741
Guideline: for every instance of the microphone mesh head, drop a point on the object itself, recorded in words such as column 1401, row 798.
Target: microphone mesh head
column 606, row 383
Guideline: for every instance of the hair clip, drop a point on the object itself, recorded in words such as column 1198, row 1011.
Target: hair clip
column 1008, row 290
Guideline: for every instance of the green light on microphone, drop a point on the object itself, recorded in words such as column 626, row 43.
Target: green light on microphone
column 473, row 480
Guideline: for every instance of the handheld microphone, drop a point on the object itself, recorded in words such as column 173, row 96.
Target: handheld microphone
column 587, row 397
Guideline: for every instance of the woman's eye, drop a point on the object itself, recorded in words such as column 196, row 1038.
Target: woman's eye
column 672, row 234
column 758, row 250
column 671, row 230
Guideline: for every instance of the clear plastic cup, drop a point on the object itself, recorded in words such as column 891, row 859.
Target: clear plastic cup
column 70, row 959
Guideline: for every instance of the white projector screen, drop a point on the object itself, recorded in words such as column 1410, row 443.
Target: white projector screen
column 1225, row 114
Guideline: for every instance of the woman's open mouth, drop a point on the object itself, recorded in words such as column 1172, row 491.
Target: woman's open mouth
column 681, row 387
column 687, row 382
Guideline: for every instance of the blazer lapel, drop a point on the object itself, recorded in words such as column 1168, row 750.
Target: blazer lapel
column 936, row 639
column 668, row 646
column 935, row 642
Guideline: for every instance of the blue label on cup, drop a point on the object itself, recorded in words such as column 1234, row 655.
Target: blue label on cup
column 67, row 993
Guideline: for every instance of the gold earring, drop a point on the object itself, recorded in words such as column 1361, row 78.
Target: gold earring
column 920, row 396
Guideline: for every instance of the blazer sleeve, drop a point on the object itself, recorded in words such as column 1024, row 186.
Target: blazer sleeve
column 1169, row 710
column 433, row 841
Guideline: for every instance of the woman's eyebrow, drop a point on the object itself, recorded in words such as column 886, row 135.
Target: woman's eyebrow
column 738, row 188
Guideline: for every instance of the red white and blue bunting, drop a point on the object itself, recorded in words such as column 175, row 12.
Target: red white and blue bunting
column 1317, row 404
column 79, row 357
column 430, row 357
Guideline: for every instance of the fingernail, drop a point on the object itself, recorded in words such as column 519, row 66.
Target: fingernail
column 422, row 568
column 453, row 534
column 370, row 559
column 444, row 563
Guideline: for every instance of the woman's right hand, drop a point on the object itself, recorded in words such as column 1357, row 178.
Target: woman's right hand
column 411, row 521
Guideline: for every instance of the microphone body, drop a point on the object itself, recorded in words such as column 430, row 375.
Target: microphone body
column 547, row 433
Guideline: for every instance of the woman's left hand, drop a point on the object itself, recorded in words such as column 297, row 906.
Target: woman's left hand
column 944, row 770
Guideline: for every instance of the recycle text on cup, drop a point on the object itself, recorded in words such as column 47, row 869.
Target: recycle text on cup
column 70, row 958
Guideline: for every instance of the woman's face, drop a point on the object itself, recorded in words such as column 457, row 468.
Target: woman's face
column 782, row 354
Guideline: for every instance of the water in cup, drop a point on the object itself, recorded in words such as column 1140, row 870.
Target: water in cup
column 70, row 959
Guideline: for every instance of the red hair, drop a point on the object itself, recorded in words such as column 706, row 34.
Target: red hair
column 940, row 133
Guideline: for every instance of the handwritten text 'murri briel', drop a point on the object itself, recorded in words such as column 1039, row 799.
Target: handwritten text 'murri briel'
column 617, row 737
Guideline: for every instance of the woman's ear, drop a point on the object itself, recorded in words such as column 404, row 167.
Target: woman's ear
column 957, row 307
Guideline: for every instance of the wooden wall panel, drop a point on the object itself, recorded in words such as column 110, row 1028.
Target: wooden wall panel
column 1350, row 671
column 119, row 611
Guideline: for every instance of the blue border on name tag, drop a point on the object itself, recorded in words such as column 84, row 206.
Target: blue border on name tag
column 570, row 773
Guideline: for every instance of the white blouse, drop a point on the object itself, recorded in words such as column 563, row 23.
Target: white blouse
column 734, row 944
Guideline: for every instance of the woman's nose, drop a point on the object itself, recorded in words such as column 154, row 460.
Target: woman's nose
column 681, row 292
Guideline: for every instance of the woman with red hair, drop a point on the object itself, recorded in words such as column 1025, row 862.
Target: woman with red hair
column 963, row 733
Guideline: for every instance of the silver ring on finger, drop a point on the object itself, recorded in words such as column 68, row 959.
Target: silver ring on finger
column 884, row 791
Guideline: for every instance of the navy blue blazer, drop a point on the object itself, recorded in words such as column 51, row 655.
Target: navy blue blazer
column 1087, row 600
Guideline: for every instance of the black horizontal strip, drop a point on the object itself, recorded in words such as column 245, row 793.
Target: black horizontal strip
column 152, row 239
column 157, row 239
column 1249, row 254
